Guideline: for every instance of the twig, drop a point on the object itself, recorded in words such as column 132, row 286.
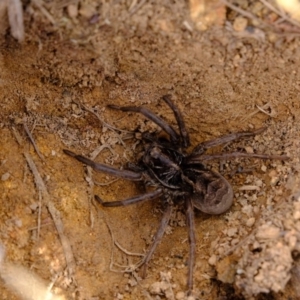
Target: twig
column 241, row 11
column 134, row 8
column 44, row 11
column 272, row 8
column 17, row 136
column 112, row 128
column 126, row 251
column 283, row 15
column 65, row 3
column 64, row 240
column 246, row 14
column 132, row 5
column 100, row 119
column 259, row 109
column 249, row 188
column 266, row 106
column 39, row 215
column 32, row 140
column 99, row 149
column 89, row 179
column 55, row 214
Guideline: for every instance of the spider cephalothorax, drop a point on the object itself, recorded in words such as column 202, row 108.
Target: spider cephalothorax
column 176, row 175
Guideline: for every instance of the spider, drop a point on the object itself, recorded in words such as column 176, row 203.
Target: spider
column 176, row 176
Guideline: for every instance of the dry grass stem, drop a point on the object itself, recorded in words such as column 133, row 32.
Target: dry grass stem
column 44, row 11
column 103, row 123
column 32, row 141
column 55, row 214
column 134, row 8
column 260, row 109
column 263, row 109
column 121, row 268
column 281, row 13
column 241, row 11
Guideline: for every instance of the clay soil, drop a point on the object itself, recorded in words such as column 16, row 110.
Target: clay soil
column 57, row 84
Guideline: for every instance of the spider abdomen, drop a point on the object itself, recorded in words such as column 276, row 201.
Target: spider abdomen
column 212, row 193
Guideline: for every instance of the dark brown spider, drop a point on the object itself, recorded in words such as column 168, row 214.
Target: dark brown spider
column 177, row 175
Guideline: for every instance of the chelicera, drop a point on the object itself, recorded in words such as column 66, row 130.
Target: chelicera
column 176, row 176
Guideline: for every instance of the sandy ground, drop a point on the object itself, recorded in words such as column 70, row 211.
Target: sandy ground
column 57, row 84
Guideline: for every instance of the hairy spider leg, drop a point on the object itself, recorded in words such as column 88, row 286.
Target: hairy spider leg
column 157, row 238
column 140, row 198
column 202, row 147
column 151, row 116
column 190, row 219
column 125, row 174
column 179, row 118
column 233, row 155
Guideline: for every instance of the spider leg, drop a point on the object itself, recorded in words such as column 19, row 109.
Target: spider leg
column 179, row 118
column 233, row 155
column 126, row 174
column 157, row 238
column 151, row 116
column 192, row 242
column 140, row 198
column 202, row 147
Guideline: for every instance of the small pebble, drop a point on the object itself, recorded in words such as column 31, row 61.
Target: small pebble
column 87, row 10
column 212, row 260
column 259, row 182
column 18, row 222
column 256, row 210
column 272, row 173
column 292, row 241
column 249, row 149
column 5, row 176
column 296, row 215
column 132, row 282
column 274, row 181
column 263, row 168
column 180, row 296
column 267, row 231
column 256, row 245
column 250, row 222
column 72, row 10
column 221, row 250
column 120, row 296
column 34, row 206
column 231, row 231
column 240, row 24
column 155, row 288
